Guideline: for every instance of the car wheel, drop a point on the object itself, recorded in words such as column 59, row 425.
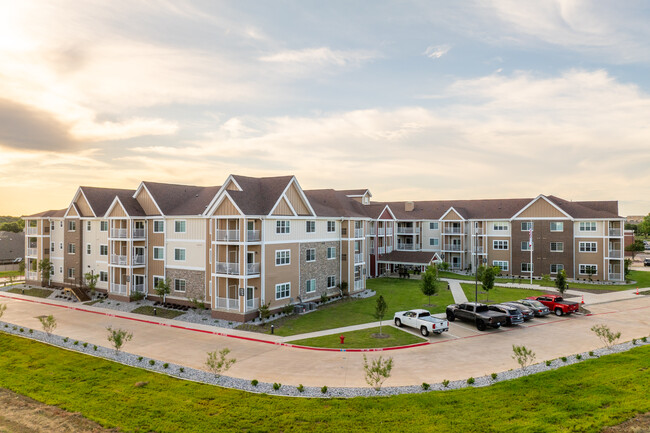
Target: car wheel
column 480, row 325
column 398, row 323
column 424, row 331
column 450, row 316
column 558, row 312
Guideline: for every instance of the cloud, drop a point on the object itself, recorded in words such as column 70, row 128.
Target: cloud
column 320, row 56
column 436, row 51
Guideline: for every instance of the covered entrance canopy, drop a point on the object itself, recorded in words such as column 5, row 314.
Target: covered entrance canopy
column 419, row 259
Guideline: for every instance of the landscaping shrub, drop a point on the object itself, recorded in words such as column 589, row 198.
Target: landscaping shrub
column 276, row 386
column 471, row 381
column 494, row 376
column 425, row 386
column 300, row 388
column 254, row 382
column 152, row 362
column 323, row 390
column 445, row 383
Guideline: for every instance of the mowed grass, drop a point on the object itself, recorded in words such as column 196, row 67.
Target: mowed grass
column 584, row 397
column 498, row 294
column 7, row 274
column 40, row 293
column 363, row 339
column 399, row 295
column 147, row 310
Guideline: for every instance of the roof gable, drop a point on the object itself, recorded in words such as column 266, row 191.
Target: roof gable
column 226, row 207
column 540, row 208
column 452, row 215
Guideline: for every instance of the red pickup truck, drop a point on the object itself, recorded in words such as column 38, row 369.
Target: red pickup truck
column 557, row 304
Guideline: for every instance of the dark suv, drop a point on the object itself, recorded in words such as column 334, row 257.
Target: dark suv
column 646, row 261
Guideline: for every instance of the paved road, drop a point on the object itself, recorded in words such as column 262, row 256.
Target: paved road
column 458, row 354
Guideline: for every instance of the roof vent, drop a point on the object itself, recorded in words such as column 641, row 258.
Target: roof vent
column 196, row 195
column 409, row 206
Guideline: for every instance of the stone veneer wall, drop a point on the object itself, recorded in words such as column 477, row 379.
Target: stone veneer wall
column 319, row 269
column 194, row 283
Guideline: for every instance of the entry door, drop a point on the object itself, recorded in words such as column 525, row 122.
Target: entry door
column 455, row 262
column 138, row 280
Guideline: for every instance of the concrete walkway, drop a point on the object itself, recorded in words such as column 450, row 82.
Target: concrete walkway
column 336, row 330
column 456, row 290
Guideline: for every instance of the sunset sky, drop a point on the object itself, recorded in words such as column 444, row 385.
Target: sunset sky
column 412, row 99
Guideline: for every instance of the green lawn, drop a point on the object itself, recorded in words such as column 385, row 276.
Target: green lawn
column 584, row 397
column 41, row 293
column 147, row 310
column 398, row 294
column 499, row 294
column 363, row 339
column 7, row 274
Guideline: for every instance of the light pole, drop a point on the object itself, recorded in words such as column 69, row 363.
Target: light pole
column 475, row 268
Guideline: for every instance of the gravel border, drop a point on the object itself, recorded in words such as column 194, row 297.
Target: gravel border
column 195, row 375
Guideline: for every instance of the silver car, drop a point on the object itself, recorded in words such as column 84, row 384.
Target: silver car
column 538, row 308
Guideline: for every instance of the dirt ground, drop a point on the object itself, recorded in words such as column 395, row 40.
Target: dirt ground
column 19, row 414
column 639, row 424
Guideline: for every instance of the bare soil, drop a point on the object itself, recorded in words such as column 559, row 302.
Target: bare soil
column 638, row 424
column 21, row 414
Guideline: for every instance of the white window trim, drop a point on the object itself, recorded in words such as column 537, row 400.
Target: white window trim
column 177, row 280
column 333, row 278
column 312, row 283
column 557, row 222
column 581, row 244
column 333, row 224
column 163, row 253
column 527, row 263
column 74, row 248
column 328, row 253
column 100, row 276
column 528, row 246
column 556, row 269
column 88, row 226
column 503, row 242
column 314, row 256
column 499, row 262
column 522, row 226
column 184, row 255
column 582, row 226
column 288, row 287
column 556, row 251
column 282, row 225
column 277, row 256
column 100, row 250
column 184, row 226
column 89, row 249
column 101, row 224
column 310, row 224
column 154, row 279
column 583, row 271
column 162, row 223
column 500, row 227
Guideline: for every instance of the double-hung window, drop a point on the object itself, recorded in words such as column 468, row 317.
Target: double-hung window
column 310, row 226
column 525, row 246
column 502, row 264
column 587, row 269
column 500, row 227
column 526, row 225
column 72, row 226
column 159, row 226
column 526, row 267
column 557, row 247
column 556, row 268
column 179, row 254
column 103, row 276
column 588, row 247
column 433, row 242
column 587, row 226
column 72, row 248
column 310, row 286
column 179, row 285
column 103, row 226
column 158, row 253
column 557, row 226
column 331, row 252
column 433, row 226
column 282, row 257
column 331, row 281
column 331, row 226
column 282, row 291
column 310, row 255
column 283, row 227
column 500, row 245
column 179, row 226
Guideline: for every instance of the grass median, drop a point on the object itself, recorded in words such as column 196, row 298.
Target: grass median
column 583, row 397
column 363, row 339
column 39, row 293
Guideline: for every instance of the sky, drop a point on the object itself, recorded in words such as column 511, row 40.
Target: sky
column 415, row 100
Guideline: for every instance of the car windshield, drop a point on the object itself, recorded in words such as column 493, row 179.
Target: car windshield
column 425, row 314
column 536, row 304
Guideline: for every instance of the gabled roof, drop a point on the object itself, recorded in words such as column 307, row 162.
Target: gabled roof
column 48, row 214
column 587, row 209
column 468, row 209
column 128, row 203
column 409, row 257
column 100, row 199
column 259, row 195
column 173, row 199
column 332, row 203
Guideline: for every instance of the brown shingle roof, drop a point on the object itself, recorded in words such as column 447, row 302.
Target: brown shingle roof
column 331, row 203
column 100, row 199
column 131, row 205
column 468, row 209
column 353, row 191
column 587, row 209
column 408, row 257
column 48, row 214
column 258, row 194
column 175, row 199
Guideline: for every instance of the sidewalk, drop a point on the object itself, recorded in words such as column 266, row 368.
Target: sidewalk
column 456, row 290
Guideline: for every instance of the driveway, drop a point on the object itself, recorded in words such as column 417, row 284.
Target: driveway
column 458, row 354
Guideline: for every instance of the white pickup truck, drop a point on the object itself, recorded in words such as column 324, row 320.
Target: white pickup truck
column 422, row 320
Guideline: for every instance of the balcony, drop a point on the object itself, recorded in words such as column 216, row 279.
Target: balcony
column 32, row 275
column 614, row 232
column 381, row 250
column 253, row 236
column 227, row 304
column 252, row 268
column 452, row 230
column 358, row 233
column 119, row 260
column 479, row 231
column 32, row 230
column 32, row 252
column 358, row 258
column 389, row 249
column 406, row 247
column 138, row 288
column 252, row 304
column 614, row 254
column 227, row 268
column 477, row 250
column 138, row 260
column 452, row 247
column 614, row 276
column 120, row 233
column 139, row 233
column 406, row 230
column 381, row 231
column 389, row 231
column 118, row 288
column 228, row 235
column 358, row 285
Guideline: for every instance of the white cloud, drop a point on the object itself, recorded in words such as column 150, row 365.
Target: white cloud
column 436, row 51
column 320, row 56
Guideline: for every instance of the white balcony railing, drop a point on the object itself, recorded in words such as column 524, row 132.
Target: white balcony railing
column 32, row 252
column 252, row 268
column 452, row 247
column 381, row 231
column 614, row 232
column 138, row 260
column 358, row 233
column 389, row 231
column 228, row 268
column 32, row 275
column 381, row 250
column 138, row 288
column 615, row 254
column 32, row 230
column 389, row 249
column 252, row 304
column 358, row 284
column 358, row 258
column 119, row 260
column 478, row 250
column 614, row 276
column 478, row 231
column 253, row 236
column 118, row 288
column 452, row 230
column 406, row 247
column 405, row 230
column 228, row 304
column 120, row 233
column 228, row 235
column 139, row 233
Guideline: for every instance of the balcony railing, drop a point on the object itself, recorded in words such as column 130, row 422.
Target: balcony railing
column 228, row 235
column 32, row 230
column 252, row 304
column 118, row 288
column 252, row 268
column 358, row 284
column 389, row 249
column 32, row 275
column 138, row 288
column 614, row 276
column 406, row 247
column 478, row 231
column 389, row 231
column 32, row 252
column 381, row 250
column 405, row 230
column 614, row 232
column 253, row 236
column 228, row 304
column 381, row 231
column 358, row 233
column 358, row 258
column 138, row 260
column 615, row 254
column 452, row 230
column 120, row 233
column 228, row 268
column 139, row 233
column 452, row 247
column 119, row 260
column 477, row 250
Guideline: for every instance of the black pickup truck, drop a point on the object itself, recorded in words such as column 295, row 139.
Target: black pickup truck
column 477, row 313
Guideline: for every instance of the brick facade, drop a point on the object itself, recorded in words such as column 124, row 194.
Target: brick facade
column 194, row 283
column 319, row 269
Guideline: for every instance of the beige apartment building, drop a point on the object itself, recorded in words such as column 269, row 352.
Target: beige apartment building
column 255, row 241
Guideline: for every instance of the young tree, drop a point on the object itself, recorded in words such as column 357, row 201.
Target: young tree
column 21, row 267
column 605, row 334
column 45, row 267
column 429, row 284
column 626, row 268
column 3, row 307
column 591, row 272
column 489, row 275
column 635, row 247
column 560, row 281
column 523, row 356
column 265, row 312
column 217, row 362
column 162, row 289
column 117, row 337
column 49, row 323
column 380, row 310
column 91, row 281
column 377, row 371
column 444, row 266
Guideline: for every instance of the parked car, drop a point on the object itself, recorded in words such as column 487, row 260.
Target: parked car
column 539, row 309
column 513, row 315
column 477, row 313
column 422, row 320
column 557, row 304
column 525, row 311
column 646, row 261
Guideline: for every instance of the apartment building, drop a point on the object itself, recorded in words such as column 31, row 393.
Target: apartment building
column 254, row 241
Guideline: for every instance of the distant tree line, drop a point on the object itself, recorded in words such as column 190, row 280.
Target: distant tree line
column 643, row 228
column 11, row 224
